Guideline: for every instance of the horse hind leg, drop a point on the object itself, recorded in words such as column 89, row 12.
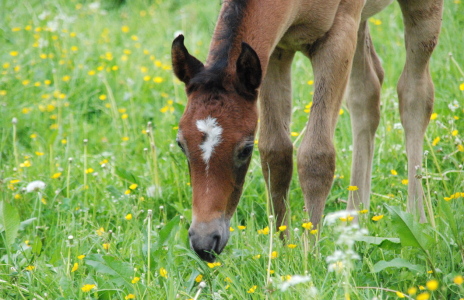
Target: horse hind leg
column 275, row 146
column 363, row 99
column 422, row 22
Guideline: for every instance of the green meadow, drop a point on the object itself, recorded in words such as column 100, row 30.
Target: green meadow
column 89, row 107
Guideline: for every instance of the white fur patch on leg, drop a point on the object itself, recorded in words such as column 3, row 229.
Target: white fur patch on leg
column 213, row 131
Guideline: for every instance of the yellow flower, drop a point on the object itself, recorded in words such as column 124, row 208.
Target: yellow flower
column 64, row 141
column 106, row 246
column 89, row 170
column 264, row 230
column 257, row 256
column 310, row 82
column 353, row 188
column 294, row 134
column 125, row 138
column 348, row 218
column 135, row 280
column 286, row 277
column 127, row 192
column 39, row 153
column 81, row 257
column 362, row 212
column 461, row 87
column 130, row 296
column 241, row 227
column 30, row 268
column 405, row 181
column 75, row 267
column 26, row 164
column 252, row 289
column 314, row 231
column 393, row 172
column 282, row 228
column 199, row 278
column 400, row 294
column 214, row 264
column 458, row 280
column 128, row 217
column 133, row 186
column 163, row 272
column 102, row 97
column 291, row 246
column 377, row 218
column 432, row 285
column 341, row 112
column 100, row 231
column 66, row 78
column 307, row 225
column 124, row 116
column 14, row 53
column 158, row 79
column 231, row 229
column 435, row 141
column 460, row 148
column 56, row 175
column 88, row 287
column 433, row 116
column 454, row 133
column 412, row 290
column 125, row 29
column 274, row 254
column 423, row 296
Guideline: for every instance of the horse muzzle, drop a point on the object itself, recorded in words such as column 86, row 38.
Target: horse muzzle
column 208, row 239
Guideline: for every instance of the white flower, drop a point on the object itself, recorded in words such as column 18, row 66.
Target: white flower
column 35, row 186
column 296, row 279
column 151, row 191
column 94, row 5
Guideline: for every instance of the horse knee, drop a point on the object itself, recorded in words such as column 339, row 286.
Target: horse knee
column 276, row 155
column 316, row 167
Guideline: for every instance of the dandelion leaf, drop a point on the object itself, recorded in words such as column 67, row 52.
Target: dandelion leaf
column 9, row 223
column 126, row 175
column 411, row 232
column 397, row 263
column 382, row 242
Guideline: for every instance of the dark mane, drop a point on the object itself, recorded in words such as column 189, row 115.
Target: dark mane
column 209, row 79
column 230, row 20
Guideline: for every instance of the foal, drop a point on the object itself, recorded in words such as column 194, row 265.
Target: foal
column 251, row 53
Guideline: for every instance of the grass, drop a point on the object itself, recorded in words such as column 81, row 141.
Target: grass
column 95, row 109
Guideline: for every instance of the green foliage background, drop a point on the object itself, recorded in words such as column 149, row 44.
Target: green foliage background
column 96, row 106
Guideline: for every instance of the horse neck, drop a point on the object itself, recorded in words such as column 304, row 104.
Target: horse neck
column 259, row 23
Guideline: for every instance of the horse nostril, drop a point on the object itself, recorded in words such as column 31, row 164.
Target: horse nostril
column 216, row 243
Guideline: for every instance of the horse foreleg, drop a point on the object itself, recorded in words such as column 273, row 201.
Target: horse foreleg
column 331, row 58
column 275, row 146
column 363, row 99
column 422, row 21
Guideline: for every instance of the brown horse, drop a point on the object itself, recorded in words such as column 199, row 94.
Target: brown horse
column 250, row 54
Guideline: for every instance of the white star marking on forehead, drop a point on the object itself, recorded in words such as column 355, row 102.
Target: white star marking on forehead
column 213, row 131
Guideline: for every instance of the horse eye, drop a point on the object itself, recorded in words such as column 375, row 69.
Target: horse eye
column 246, row 152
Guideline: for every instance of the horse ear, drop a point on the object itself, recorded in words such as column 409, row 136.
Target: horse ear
column 185, row 66
column 249, row 71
